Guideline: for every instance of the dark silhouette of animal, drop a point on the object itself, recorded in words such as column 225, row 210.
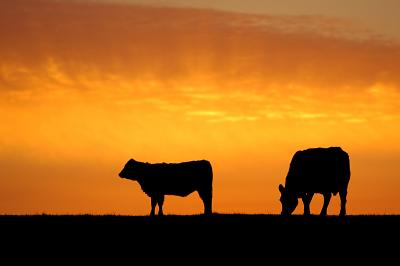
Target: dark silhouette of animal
column 180, row 179
column 318, row 170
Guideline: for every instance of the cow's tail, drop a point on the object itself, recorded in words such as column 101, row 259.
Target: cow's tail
column 210, row 176
column 209, row 190
column 347, row 167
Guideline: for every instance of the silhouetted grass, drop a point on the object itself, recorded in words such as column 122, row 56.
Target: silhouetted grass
column 237, row 233
column 217, row 221
column 234, row 224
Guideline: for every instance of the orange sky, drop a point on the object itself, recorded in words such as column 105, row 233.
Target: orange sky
column 86, row 86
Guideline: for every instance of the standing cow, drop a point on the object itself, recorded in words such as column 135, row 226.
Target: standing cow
column 180, row 179
column 318, row 170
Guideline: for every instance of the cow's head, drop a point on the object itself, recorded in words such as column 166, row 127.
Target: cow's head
column 130, row 170
column 288, row 200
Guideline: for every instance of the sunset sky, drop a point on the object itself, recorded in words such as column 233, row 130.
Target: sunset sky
column 87, row 85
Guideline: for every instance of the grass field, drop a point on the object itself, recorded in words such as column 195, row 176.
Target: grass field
column 259, row 235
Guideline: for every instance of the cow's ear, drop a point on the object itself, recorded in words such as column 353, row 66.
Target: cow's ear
column 281, row 188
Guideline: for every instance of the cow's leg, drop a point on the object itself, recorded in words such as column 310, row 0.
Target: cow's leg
column 160, row 201
column 343, row 196
column 153, row 205
column 327, row 199
column 307, row 197
column 206, row 197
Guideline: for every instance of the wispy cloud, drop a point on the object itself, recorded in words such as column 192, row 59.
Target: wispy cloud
column 302, row 115
column 355, row 120
column 201, row 63
column 218, row 47
column 207, row 113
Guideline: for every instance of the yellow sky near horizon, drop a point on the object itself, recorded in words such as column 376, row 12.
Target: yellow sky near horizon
column 85, row 87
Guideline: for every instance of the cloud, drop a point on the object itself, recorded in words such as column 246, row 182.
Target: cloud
column 355, row 120
column 70, row 40
column 211, row 113
column 303, row 115
column 196, row 63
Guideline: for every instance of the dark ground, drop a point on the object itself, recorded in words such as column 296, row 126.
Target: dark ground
column 231, row 236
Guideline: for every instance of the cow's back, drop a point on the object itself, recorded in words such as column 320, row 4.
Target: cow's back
column 319, row 170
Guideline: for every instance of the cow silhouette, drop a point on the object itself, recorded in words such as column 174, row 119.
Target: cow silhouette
column 180, row 179
column 316, row 170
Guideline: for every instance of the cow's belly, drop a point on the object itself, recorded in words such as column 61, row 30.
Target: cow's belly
column 181, row 193
column 318, row 184
column 174, row 186
column 182, row 187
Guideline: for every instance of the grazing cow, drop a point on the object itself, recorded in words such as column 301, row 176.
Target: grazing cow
column 318, row 170
column 180, row 179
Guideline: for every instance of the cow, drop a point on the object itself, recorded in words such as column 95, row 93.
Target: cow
column 316, row 170
column 180, row 179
